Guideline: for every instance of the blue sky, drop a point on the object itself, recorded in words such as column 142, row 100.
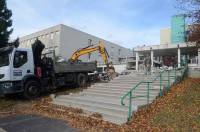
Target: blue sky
column 126, row 22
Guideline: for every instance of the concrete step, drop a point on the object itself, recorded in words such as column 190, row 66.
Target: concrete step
column 104, row 101
column 107, row 116
column 122, row 92
column 116, row 94
column 122, row 88
column 143, row 77
column 105, row 98
column 113, row 96
column 141, row 87
column 115, row 102
column 129, row 79
column 146, row 78
column 94, row 105
column 114, row 85
column 132, row 77
column 126, row 85
column 131, row 83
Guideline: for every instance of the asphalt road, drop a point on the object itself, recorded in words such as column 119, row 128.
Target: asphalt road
column 33, row 123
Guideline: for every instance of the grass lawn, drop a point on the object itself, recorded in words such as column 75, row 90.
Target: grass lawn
column 178, row 110
column 183, row 112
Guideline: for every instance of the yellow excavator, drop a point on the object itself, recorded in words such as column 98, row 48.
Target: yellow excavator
column 104, row 54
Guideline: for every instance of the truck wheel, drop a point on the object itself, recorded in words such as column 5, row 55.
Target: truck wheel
column 32, row 90
column 81, row 80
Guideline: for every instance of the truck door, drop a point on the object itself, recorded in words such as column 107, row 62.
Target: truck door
column 20, row 65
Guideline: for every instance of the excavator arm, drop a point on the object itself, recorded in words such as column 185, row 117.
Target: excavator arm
column 101, row 48
column 81, row 52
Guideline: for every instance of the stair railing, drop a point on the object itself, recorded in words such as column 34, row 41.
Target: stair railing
column 148, row 84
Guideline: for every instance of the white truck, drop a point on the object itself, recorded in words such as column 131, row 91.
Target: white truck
column 23, row 70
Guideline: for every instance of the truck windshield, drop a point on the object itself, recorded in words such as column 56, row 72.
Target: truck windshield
column 4, row 56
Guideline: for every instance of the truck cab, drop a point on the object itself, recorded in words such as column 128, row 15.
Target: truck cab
column 15, row 65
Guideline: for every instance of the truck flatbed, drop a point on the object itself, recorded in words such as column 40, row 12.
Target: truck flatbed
column 67, row 67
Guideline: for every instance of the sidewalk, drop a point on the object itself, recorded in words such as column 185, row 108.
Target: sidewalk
column 33, row 123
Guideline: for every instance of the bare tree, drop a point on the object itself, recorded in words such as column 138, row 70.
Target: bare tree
column 192, row 10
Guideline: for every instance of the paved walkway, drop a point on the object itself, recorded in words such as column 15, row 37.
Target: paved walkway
column 33, row 123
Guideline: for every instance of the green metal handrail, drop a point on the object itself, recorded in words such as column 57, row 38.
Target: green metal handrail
column 130, row 95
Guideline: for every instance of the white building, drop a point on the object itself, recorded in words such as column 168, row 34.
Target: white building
column 165, row 36
column 180, row 51
column 65, row 40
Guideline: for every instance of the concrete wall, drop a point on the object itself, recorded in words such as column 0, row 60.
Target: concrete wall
column 72, row 40
column 120, row 68
column 50, row 37
column 68, row 40
column 194, row 72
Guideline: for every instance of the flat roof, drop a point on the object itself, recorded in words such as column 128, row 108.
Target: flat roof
column 164, row 46
column 168, row 49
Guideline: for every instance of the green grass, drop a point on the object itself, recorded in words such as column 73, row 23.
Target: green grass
column 183, row 113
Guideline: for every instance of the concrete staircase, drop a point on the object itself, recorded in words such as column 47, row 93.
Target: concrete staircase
column 104, row 98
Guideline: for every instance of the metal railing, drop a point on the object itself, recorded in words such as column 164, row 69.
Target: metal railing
column 148, row 84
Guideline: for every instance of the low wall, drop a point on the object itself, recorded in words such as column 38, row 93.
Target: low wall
column 194, row 72
column 120, row 68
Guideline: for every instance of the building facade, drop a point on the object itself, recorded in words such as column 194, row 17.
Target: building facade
column 176, row 33
column 65, row 40
column 173, row 49
column 165, row 36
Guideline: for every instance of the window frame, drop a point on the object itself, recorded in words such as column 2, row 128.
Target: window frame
column 20, row 61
